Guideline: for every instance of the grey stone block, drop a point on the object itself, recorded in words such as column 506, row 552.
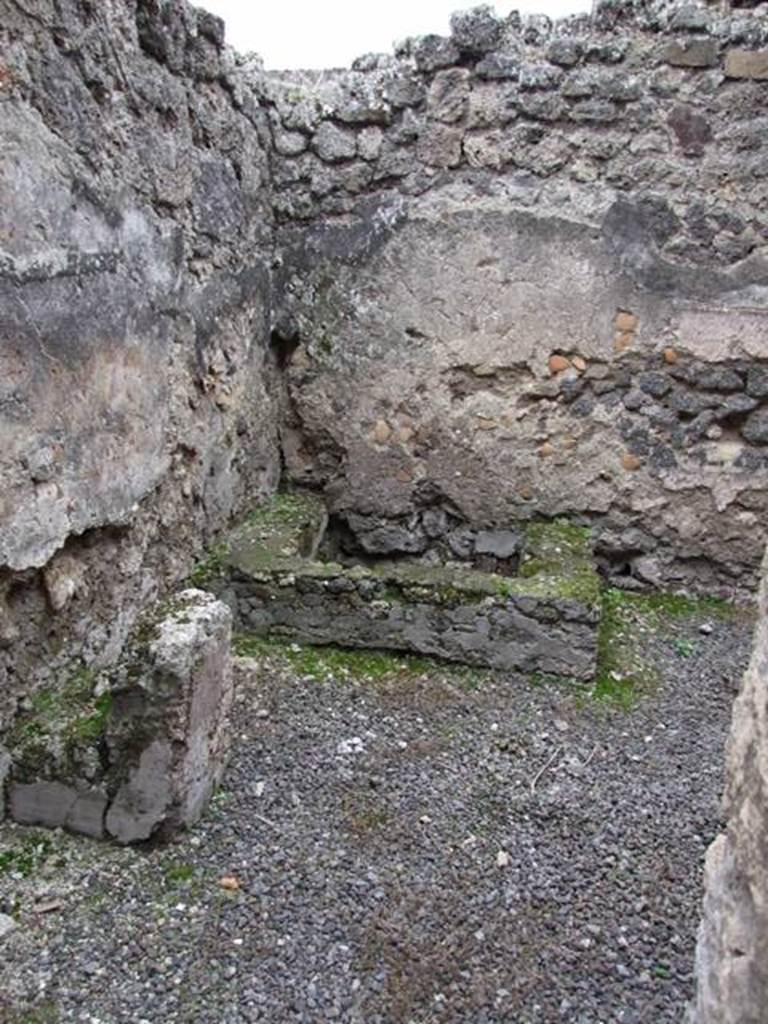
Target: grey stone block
column 56, row 805
column 168, row 734
column 41, row 803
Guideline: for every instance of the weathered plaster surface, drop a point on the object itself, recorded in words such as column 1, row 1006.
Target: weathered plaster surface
column 455, row 219
column 136, row 405
column 732, row 953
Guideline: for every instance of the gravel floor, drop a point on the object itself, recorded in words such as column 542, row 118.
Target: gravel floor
column 401, row 849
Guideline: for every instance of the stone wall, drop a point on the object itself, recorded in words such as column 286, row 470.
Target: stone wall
column 525, row 274
column 136, row 407
column 732, row 952
column 518, row 273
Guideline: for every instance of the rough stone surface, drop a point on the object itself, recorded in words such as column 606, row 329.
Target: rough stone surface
column 603, row 147
column 168, row 733
column 543, row 620
column 138, row 754
column 732, row 952
column 201, row 251
column 135, row 243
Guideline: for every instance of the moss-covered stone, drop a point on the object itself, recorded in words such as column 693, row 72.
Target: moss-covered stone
column 557, row 562
column 548, row 613
column 279, row 535
column 330, row 661
column 59, row 736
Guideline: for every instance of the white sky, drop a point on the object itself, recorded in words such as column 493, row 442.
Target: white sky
column 331, row 33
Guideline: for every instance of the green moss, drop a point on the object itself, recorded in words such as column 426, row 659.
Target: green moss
column 284, row 509
column 557, row 562
column 62, row 721
column 210, row 567
column 178, row 874
column 624, row 672
column 91, row 727
column 329, row 662
column 26, row 858
column 278, row 535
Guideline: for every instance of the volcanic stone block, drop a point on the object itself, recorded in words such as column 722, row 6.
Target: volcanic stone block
column 168, row 734
column 543, row 620
column 747, row 64
column 54, row 805
column 139, row 754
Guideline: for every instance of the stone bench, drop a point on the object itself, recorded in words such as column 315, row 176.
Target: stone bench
column 543, row 620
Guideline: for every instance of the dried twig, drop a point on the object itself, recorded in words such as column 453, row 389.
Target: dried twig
column 596, row 748
column 541, row 771
column 265, row 821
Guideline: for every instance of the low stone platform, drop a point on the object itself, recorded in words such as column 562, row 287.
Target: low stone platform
column 543, row 620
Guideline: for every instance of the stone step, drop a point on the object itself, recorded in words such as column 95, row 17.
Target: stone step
column 544, row 620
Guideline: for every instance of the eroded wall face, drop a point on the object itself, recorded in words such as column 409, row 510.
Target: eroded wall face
column 526, row 274
column 135, row 399
column 732, row 951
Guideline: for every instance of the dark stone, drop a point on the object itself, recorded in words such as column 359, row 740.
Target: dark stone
column 691, row 129
column 477, row 31
column 689, row 403
column 434, row 522
column 690, row 18
column 616, row 85
column 571, row 389
column 433, row 52
column 461, row 542
column 715, row 378
column 212, row 27
column 757, row 382
column 607, row 51
column 594, row 112
column 656, row 384
column 735, row 405
column 539, row 76
column 499, row 543
column 755, row 428
column 662, row 457
column 583, row 406
column 404, row 91
column 637, row 439
column 661, row 417
column 633, row 401
column 565, row 51
column 699, row 426
column 499, row 66
column 691, row 53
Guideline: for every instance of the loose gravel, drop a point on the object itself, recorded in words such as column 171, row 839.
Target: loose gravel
column 427, row 847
